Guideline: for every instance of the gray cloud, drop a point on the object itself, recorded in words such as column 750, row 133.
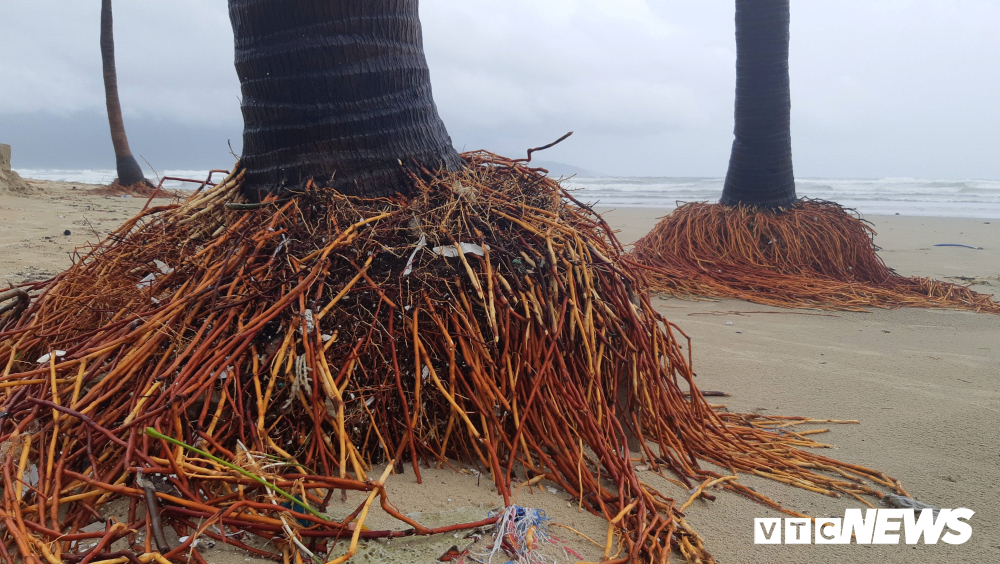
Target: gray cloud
column 880, row 87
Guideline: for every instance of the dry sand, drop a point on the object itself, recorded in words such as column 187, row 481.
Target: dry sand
column 924, row 384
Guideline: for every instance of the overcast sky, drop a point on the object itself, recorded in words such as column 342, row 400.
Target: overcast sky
column 880, row 88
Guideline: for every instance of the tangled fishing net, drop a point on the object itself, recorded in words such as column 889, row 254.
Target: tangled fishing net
column 260, row 356
column 815, row 254
column 519, row 531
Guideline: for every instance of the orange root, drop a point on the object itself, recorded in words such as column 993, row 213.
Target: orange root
column 139, row 190
column 816, row 254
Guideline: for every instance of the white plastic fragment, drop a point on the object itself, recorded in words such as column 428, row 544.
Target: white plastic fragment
column 462, row 190
column 424, row 373
column 409, row 264
column 450, row 251
column 331, row 409
column 30, row 478
column 45, row 357
column 147, row 281
column 163, row 266
column 903, row 502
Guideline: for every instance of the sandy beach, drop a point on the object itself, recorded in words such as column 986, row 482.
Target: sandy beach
column 924, row 384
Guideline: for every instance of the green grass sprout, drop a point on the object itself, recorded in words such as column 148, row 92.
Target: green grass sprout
column 295, row 501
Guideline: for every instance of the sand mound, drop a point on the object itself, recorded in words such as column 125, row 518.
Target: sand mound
column 12, row 183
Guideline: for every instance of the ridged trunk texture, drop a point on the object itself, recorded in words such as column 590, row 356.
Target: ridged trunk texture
column 760, row 167
column 338, row 92
column 129, row 172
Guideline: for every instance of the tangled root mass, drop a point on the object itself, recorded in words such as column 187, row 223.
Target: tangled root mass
column 815, row 254
column 308, row 339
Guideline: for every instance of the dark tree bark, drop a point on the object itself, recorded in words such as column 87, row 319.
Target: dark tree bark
column 335, row 91
column 129, row 172
column 760, row 167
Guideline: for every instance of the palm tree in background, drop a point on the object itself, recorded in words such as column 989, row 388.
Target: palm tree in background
column 760, row 165
column 761, row 243
column 129, row 172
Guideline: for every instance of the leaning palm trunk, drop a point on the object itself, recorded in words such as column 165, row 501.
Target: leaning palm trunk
column 363, row 297
column 761, row 243
column 129, row 172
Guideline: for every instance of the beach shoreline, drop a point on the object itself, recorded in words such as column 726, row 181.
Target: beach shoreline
column 924, row 385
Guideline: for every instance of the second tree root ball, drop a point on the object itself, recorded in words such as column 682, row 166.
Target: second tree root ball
column 814, row 254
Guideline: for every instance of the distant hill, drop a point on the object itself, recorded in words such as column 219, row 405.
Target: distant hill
column 562, row 169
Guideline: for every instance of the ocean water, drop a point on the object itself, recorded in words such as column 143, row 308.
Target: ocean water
column 881, row 196
column 88, row 176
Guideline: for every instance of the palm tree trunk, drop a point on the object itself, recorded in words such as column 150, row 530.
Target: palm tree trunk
column 129, row 172
column 760, row 167
column 337, row 92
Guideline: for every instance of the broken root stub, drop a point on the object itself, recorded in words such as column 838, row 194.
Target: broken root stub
column 287, row 340
column 815, row 254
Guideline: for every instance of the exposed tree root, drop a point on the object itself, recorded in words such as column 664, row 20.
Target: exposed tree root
column 306, row 340
column 18, row 300
column 142, row 189
column 815, row 254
